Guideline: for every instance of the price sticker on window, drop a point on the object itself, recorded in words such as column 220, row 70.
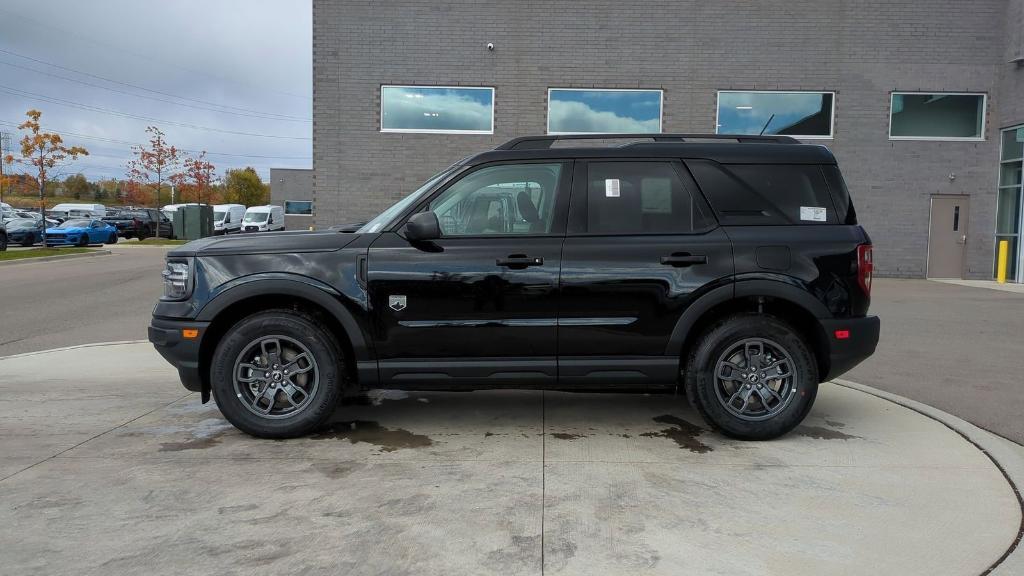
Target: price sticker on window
column 611, row 188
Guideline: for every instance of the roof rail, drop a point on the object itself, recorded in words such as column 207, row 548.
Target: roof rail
column 544, row 142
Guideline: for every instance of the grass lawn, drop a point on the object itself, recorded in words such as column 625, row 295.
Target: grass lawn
column 40, row 252
column 162, row 242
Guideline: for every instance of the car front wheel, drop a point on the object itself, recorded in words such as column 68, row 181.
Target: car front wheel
column 752, row 377
column 277, row 374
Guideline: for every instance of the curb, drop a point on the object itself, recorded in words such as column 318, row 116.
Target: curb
column 92, row 254
column 75, row 347
column 1007, row 456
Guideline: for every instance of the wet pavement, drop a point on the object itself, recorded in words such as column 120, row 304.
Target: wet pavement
column 110, row 467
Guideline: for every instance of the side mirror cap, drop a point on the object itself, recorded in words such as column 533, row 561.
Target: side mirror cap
column 422, row 227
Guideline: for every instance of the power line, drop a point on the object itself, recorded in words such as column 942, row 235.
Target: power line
column 79, row 105
column 144, row 56
column 126, row 142
column 261, row 115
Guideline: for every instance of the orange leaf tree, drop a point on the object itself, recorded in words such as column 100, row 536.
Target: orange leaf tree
column 154, row 164
column 42, row 153
column 199, row 175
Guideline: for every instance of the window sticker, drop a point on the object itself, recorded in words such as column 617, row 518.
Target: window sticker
column 611, row 187
column 812, row 213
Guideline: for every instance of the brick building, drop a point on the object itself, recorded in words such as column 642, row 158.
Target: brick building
column 920, row 101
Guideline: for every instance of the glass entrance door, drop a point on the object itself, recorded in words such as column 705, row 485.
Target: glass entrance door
column 1008, row 211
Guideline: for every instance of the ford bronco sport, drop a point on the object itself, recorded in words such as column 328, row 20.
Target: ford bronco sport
column 732, row 266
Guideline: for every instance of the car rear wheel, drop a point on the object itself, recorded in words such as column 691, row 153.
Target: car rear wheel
column 3, row 242
column 28, row 241
column 112, row 239
column 277, row 374
column 752, row 377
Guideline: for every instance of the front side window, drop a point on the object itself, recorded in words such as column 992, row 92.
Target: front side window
column 503, row 199
column 798, row 114
column 437, row 109
column 639, row 198
column 607, row 111
column 298, row 207
column 917, row 116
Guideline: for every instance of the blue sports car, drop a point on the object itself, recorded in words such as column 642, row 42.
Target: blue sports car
column 81, row 232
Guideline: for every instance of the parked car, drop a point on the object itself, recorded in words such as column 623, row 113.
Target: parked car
column 140, row 223
column 227, row 218
column 731, row 267
column 25, row 231
column 80, row 210
column 263, row 219
column 81, row 232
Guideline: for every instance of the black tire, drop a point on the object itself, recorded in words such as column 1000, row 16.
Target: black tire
column 112, row 239
column 702, row 382
column 3, row 242
column 28, row 241
column 83, row 240
column 300, row 327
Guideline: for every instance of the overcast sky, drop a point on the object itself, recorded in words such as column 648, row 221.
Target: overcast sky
column 231, row 77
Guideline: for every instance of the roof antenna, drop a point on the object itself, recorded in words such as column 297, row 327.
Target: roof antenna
column 770, row 118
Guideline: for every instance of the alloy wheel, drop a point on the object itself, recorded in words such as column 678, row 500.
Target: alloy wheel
column 755, row 379
column 275, row 377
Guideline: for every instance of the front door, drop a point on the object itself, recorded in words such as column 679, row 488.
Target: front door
column 480, row 304
column 947, row 236
column 641, row 244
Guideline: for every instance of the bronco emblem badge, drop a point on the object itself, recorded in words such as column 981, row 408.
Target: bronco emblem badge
column 396, row 303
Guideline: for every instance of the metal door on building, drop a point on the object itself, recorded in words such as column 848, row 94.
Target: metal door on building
column 947, row 236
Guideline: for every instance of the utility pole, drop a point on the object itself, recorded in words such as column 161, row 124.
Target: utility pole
column 5, row 149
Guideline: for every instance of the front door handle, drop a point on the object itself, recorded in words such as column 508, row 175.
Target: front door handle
column 683, row 259
column 519, row 262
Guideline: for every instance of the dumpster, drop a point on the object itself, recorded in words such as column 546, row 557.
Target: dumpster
column 193, row 221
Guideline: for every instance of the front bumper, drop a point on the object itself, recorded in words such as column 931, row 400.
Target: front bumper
column 859, row 343
column 62, row 239
column 182, row 353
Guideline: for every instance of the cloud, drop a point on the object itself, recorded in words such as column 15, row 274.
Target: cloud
column 568, row 116
column 434, row 109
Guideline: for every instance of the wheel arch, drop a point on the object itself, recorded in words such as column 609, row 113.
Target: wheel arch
column 785, row 301
column 255, row 294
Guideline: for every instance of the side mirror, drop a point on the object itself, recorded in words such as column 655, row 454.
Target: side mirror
column 422, row 227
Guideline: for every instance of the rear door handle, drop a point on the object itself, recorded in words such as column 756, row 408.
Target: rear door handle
column 518, row 262
column 680, row 260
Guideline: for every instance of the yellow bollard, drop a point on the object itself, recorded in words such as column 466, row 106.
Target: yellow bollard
column 1004, row 251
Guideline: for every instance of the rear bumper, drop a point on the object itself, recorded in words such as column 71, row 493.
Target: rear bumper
column 860, row 343
column 181, row 352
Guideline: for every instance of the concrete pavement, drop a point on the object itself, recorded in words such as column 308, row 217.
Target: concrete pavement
column 111, row 468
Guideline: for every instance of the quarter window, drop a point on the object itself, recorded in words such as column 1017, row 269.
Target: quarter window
column 298, row 207
column 503, row 199
column 917, row 116
column 639, row 198
column 437, row 109
column 798, row 114
column 603, row 111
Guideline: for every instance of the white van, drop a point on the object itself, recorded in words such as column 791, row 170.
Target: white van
column 171, row 209
column 227, row 218
column 80, row 210
column 263, row 219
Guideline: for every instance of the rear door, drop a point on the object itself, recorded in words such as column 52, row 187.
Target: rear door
column 480, row 304
column 640, row 247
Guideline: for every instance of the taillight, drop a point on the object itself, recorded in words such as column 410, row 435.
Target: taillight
column 865, row 267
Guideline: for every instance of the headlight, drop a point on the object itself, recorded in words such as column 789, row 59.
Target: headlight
column 177, row 276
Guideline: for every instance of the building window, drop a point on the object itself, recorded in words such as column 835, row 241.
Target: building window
column 604, row 111
column 917, row 116
column 437, row 109
column 798, row 114
column 298, row 207
column 1008, row 208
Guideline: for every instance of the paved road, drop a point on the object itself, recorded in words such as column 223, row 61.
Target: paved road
column 956, row 348
column 46, row 305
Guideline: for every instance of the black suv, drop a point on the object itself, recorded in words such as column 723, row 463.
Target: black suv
column 730, row 265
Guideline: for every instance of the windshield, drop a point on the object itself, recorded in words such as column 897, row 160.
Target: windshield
column 22, row 223
column 255, row 217
column 385, row 217
column 75, row 224
column 218, row 216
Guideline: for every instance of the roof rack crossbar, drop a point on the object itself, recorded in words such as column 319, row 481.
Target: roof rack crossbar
column 544, row 142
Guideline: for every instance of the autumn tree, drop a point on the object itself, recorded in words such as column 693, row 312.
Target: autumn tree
column 244, row 186
column 77, row 186
column 155, row 164
column 42, row 153
column 198, row 175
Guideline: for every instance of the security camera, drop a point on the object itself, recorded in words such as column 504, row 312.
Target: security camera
column 490, row 46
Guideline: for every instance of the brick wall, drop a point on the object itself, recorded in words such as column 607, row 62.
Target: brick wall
column 860, row 49
column 292, row 184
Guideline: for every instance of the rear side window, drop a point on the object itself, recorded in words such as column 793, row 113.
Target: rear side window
column 765, row 194
column 639, row 198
